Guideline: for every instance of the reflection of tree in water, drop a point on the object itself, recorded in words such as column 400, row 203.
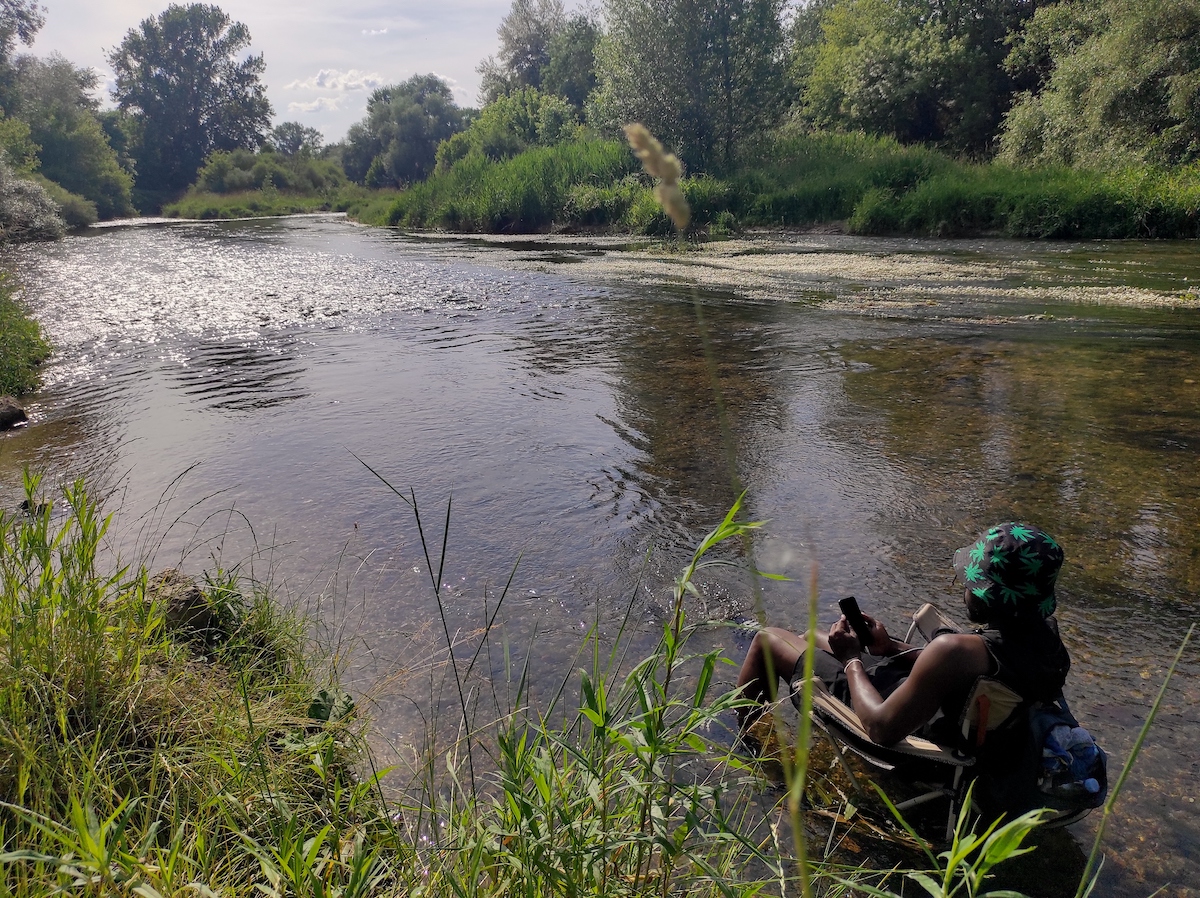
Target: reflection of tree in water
column 1097, row 441
column 696, row 383
column 243, row 376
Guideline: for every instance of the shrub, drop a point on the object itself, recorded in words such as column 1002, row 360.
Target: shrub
column 27, row 211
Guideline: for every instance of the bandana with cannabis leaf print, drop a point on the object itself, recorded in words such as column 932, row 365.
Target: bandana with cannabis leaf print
column 1012, row 568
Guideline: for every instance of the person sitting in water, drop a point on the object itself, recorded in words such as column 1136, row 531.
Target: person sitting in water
column 1008, row 574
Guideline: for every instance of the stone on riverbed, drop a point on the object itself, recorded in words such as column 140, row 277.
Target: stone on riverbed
column 11, row 413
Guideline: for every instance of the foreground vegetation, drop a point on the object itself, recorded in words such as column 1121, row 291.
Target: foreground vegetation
column 153, row 745
column 22, row 346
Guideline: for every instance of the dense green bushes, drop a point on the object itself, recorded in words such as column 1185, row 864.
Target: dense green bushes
column 526, row 193
column 872, row 184
column 243, row 170
column 22, row 347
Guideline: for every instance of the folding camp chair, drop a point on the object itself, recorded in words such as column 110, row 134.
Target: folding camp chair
column 942, row 768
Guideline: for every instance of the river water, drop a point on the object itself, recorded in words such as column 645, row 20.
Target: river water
column 590, row 410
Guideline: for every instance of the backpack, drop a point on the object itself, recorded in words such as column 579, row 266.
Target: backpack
column 1044, row 760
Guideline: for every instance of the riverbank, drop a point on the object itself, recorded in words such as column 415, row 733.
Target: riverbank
column 22, row 346
column 867, row 185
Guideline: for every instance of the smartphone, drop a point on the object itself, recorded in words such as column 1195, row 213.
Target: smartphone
column 858, row 623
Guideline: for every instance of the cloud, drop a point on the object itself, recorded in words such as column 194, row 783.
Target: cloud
column 320, row 104
column 374, row 32
column 334, row 79
column 455, row 88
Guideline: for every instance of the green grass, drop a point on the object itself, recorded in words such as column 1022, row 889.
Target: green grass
column 22, row 346
column 246, row 204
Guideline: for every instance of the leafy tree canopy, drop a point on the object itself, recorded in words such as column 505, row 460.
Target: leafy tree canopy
column 293, row 138
column 20, row 20
column 919, row 70
column 183, row 77
column 570, row 71
column 512, row 124
column 525, row 37
column 1118, row 84
column 396, row 144
column 55, row 101
column 703, row 75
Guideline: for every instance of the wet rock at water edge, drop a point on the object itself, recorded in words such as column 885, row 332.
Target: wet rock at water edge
column 11, row 413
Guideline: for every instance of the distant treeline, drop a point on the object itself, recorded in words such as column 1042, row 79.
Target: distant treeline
column 1070, row 117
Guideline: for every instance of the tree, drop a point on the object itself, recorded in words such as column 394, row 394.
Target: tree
column 524, row 118
column 525, row 37
column 1119, row 84
column 702, row 75
column 182, row 77
column 293, row 138
column 396, row 144
column 571, row 69
column 919, row 70
column 20, row 20
column 74, row 152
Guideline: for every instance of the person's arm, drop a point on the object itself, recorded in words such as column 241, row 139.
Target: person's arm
column 943, row 666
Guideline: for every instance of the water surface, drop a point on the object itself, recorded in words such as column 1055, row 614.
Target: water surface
column 878, row 401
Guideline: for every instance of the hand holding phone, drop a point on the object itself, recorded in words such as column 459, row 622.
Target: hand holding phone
column 858, row 623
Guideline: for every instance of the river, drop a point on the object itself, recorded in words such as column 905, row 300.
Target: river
column 592, row 408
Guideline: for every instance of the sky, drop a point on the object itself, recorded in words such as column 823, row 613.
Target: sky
column 323, row 57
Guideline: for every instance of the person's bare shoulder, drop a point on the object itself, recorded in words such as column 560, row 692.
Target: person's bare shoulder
column 953, row 656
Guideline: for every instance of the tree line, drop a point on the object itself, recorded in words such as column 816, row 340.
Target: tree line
column 1083, row 83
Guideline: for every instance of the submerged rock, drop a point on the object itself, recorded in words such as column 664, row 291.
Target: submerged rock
column 11, row 413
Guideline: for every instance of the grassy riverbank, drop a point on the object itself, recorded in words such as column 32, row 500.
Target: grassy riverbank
column 22, row 346
column 866, row 184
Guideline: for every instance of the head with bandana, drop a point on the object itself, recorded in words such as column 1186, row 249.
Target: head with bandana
column 1010, row 571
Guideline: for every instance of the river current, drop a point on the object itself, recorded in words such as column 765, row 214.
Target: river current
column 242, row 390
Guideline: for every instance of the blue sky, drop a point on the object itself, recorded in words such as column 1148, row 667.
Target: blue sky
column 323, row 57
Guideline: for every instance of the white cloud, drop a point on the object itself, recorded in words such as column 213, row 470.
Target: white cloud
column 373, row 32
column 333, row 79
column 320, row 104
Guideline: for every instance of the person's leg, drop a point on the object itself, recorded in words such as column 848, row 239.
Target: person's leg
column 772, row 656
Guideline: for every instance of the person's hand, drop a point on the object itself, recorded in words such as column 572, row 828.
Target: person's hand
column 881, row 642
column 843, row 644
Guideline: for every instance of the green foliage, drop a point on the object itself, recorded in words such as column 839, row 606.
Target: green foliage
column 293, row 138
column 74, row 151
column 181, row 77
column 526, row 35
column 1045, row 202
column 1119, row 85
column 512, row 124
column 20, row 20
column 242, row 170
column 571, row 70
column 77, row 212
column 27, row 211
column 396, row 144
column 525, row 193
column 16, row 145
column 132, row 764
column 704, row 77
column 22, row 346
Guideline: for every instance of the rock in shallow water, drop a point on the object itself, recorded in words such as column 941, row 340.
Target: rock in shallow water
column 11, row 413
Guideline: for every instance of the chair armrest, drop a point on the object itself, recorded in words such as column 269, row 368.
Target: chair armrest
column 930, row 622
